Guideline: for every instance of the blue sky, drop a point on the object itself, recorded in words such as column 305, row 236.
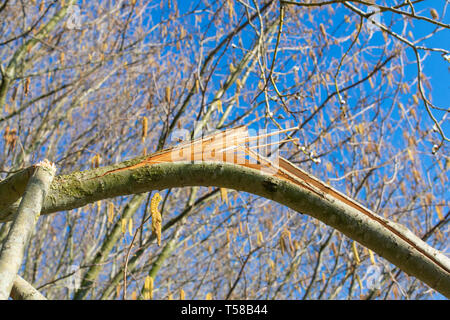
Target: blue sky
column 435, row 67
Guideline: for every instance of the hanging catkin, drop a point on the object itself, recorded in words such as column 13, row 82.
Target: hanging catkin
column 156, row 217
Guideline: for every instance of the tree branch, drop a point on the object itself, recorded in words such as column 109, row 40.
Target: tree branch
column 22, row 290
column 390, row 240
column 29, row 209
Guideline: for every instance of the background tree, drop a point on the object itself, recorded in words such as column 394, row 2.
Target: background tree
column 87, row 84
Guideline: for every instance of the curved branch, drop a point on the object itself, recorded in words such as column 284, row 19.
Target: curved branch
column 390, row 240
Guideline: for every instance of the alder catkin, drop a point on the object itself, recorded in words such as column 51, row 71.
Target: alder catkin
column 144, row 128
column 110, row 211
column 197, row 86
column 26, row 88
column 156, row 217
column 434, row 14
column 148, row 288
column 168, row 95
column 224, row 195
column 355, row 253
column 130, row 226
column 96, row 161
column 182, row 295
column 260, row 238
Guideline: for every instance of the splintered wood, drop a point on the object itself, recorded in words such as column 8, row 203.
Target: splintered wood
column 236, row 146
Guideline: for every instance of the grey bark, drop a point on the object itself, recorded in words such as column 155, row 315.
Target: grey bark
column 27, row 213
column 22, row 290
column 80, row 188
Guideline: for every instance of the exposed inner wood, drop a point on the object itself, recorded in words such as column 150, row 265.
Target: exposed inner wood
column 231, row 146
